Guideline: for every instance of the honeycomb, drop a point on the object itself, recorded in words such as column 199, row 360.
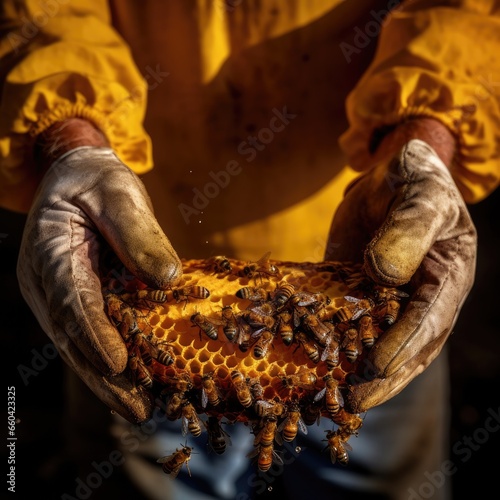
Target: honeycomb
column 269, row 343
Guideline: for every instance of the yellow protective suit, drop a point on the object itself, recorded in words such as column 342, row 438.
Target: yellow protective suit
column 244, row 103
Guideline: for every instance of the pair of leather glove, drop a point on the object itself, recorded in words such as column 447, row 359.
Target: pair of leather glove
column 404, row 216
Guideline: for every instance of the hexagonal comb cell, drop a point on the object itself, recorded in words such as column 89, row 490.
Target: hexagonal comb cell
column 267, row 342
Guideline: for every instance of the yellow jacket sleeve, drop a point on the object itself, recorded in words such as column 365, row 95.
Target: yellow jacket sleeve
column 435, row 61
column 60, row 59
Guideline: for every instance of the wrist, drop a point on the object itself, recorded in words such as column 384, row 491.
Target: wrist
column 429, row 130
column 65, row 136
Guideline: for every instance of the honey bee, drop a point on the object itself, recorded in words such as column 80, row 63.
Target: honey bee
column 349, row 423
column 218, row 438
column 140, row 373
column 331, row 393
column 172, row 464
column 317, row 328
column 242, row 390
column 388, row 299
column 190, row 420
column 304, row 379
column 338, row 448
column 331, row 352
column 260, row 316
column 181, row 383
column 312, row 412
column 150, row 351
column 173, row 407
column 261, row 346
column 244, row 334
column 367, row 331
column 284, row 327
column 220, row 264
column 350, row 344
column 256, row 390
column 283, row 292
column 144, row 297
column 292, row 423
column 254, row 294
column 187, row 292
column 230, row 325
column 261, row 267
column 315, row 301
column 209, row 392
column 266, row 457
column 310, row 348
column 266, row 436
column 205, row 325
column 264, row 407
column 122, row 315
column 342, row 315
column 361, row 306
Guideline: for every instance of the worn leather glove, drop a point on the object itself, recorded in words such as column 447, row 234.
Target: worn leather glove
column 86, row 198
column 407, row 220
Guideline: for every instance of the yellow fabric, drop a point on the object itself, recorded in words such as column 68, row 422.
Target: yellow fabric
column 63, row 58
column 440, row 62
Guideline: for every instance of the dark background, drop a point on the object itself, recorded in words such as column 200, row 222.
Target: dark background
column 474, row 350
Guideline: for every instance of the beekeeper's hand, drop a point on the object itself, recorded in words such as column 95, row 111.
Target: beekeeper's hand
column 87, row 199
column 407, row 220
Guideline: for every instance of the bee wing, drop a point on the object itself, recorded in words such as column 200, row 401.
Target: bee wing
column 278, row 438
column 281, row 426
column 277, row 458
column 204, row 398
column 320, row 395
column 264, row 258
column 302, row 425
column 347, row 446
column 184, row 426
column 358, row 314
column 399, row 293
column 352, row 299
column 162, row 460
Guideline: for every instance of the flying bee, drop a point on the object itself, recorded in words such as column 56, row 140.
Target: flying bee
column 187, row 292
column 241, row 387
column 230, row 325
column 263, row 266
column 218, row 438
column 292, row 423
column 173, row 407
column 209, row 392
column 190, row 420
column 207, row 326
column 140, row 373
column 172, row 464
column 310, row 347
column 261, row 346
column 304, row 379
column 255, row 294
column 284, row 327
column 331, row 393
column 219, row 264
column 367, row 331
column 283, row 292
column 331, row 352
column 338, row 448
column 350, row 344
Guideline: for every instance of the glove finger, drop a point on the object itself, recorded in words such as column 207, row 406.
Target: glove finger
column 57, row 273
column 363, row 395
column 427, row 207
column 117, row 392
column 120, row 208
column 439, row 289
